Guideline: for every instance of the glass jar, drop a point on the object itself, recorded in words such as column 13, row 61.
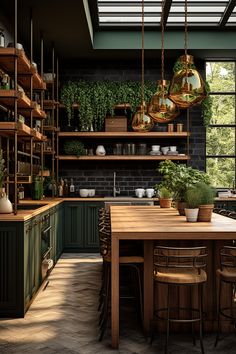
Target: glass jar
column 2, row 38
column 142, row 149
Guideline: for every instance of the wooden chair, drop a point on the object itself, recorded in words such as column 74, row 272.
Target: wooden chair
column 130, row 262
column 180, row 267
column 226, row 275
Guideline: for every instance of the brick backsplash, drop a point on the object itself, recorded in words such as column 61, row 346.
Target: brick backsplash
column 132, row 174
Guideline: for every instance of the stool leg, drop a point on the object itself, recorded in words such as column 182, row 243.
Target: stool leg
column 168, row 319
column 218, row 312
column 193, row 324
column 200, row 288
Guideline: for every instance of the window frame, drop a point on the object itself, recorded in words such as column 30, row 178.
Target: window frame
column 214, row 93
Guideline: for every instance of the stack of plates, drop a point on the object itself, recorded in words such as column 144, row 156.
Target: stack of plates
column 155, row 153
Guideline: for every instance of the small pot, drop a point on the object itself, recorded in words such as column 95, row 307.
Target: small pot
column 181, row 207
column 165, row 203
column 205, row 212
column 191, row 214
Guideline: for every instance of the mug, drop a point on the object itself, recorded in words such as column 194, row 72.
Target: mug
column 173, row 148
column 150, row 192
column 139, row 192
column 165, row 149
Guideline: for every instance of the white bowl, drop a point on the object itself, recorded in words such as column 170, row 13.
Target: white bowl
column 165, row 149
column 173, row 148
column 84, row 193
column 91, row 192
column 155, row 147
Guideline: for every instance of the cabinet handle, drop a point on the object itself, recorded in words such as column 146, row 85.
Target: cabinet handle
column 47, row 229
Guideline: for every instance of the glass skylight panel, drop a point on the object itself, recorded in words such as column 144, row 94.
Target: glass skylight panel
column 124, row 12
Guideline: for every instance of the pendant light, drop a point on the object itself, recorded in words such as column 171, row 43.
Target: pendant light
column 187, row 87
column 162, row 109
column 141, row 121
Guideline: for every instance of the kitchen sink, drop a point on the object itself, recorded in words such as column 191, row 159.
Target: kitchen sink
column 29, row 206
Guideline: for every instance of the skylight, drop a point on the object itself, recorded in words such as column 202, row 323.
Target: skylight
column 200, row 13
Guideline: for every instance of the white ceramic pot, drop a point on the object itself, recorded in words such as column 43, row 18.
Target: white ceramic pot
column 100, row 151
column 191, row 214
column 5, row 204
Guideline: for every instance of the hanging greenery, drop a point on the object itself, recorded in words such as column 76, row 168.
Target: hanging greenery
column 97, row 99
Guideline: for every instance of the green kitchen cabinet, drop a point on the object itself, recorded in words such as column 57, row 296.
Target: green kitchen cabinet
column 226, row 204
column 58, row 240
column 81, row 226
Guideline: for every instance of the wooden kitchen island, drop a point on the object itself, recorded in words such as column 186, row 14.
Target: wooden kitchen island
column 152, row 224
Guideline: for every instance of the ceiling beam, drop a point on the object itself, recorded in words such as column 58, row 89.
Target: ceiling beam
column 227, row 13
column 166, row 11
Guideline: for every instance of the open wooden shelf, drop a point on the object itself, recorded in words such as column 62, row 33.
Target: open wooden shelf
column 8, row 129
column 24, row 104
column 21, row 179
column 50, row 104
column 50, row 128
column 148, row 135
column 124, row 157
column 25, row 69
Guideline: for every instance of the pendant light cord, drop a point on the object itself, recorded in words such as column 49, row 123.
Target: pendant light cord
column 162, row 41
column 142, row 77
column 186, row 36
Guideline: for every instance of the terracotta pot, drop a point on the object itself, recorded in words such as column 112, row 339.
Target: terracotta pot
column 191, row 214
column 181, row 207
column 205, row 212
column 165, row 203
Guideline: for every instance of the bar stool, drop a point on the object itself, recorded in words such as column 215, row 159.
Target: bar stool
column 226, row 275
column 129, row 262
column 180, row 267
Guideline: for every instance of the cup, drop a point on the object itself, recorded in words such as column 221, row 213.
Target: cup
column 155, row 147
column 139, row 192
column 150, row 192
column 173, row 148
column 165, row 149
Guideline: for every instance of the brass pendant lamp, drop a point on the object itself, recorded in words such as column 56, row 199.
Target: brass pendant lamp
column 141, row 121
column 187, row 87
column 162, row 109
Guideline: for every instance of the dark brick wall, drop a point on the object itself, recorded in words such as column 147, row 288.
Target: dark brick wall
column 132, row 174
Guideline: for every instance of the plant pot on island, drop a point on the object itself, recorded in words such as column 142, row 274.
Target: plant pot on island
column 192, row 199
column 206, row 206
column 165, row 197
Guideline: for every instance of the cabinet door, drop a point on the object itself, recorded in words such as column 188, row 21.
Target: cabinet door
column 91, row 236
column 74, row 225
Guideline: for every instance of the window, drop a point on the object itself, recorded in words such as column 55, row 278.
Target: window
column 221, row 133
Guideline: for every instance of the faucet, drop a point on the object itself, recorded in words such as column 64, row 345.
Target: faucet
column 115, row 190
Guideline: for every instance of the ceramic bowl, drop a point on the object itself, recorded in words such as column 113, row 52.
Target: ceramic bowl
column 84, row 193
column 155, row 147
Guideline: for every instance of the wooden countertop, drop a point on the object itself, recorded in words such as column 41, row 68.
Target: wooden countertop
column 23, row 215
column 152, row 222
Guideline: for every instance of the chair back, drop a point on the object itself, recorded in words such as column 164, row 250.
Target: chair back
column 228, row 258
column 180, row 257
column 104, row 230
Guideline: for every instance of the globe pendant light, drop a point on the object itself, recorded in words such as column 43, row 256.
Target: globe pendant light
column 162, row 109
column 141, row 121
column 187, row 87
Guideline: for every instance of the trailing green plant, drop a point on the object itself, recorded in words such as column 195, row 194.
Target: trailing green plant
column 192, row 198
column 165, row 193
column 74, row 147
column 206, row 192
column 96, row 99
column 3, row 169
column 177, row 178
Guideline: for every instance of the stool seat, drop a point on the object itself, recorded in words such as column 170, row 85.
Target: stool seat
column 178, row 276
column 227, row 275
column 126, row 259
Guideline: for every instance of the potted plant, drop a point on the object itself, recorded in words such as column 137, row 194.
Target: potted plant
column 165, row 197
column 177, row 178
column 192, row 199
column 207, row 195
column 74, row 147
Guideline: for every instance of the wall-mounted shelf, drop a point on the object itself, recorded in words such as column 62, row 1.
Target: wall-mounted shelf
column 50, row 104
column 124, row 157
column 8, row 129
column 148, row 135
column 24, row 68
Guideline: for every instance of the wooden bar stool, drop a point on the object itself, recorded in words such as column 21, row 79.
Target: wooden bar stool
column 226, row 275
column 127, row 261
column 180, row 267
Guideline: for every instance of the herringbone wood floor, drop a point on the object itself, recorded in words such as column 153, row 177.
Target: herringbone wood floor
column 64, row 319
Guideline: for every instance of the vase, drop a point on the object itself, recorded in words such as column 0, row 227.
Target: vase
column 100, row 151
column 5, row 204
